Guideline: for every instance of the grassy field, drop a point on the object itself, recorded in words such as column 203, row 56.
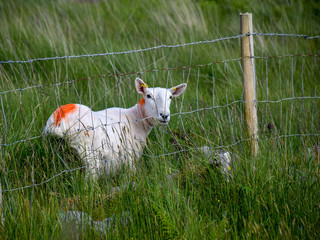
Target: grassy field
column 276, row 195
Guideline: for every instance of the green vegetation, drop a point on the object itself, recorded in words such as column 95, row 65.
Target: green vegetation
column 276, row 195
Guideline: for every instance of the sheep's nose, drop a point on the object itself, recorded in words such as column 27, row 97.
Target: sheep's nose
column 164, row 116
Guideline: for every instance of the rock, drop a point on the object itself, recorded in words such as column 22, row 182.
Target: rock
column 220, row 158
column 74, row 223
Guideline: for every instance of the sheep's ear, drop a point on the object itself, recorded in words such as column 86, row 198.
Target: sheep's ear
column 178, row 90
column 141, row 86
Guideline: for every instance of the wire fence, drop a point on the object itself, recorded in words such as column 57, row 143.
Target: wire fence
column 287, row 97
column 160, row 46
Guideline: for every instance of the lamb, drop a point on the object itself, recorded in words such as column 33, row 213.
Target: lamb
column 109, row 138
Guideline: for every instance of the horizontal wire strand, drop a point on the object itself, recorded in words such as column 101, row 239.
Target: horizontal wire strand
column 159, row 47
column 153, row 70
column 163, row 155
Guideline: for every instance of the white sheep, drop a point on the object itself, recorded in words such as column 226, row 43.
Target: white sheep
column 109, row 138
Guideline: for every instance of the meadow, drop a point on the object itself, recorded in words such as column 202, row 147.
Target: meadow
column 274, row 195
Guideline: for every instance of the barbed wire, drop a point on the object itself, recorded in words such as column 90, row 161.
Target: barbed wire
column 122, row 52
column 285, row 35
column 159, row 47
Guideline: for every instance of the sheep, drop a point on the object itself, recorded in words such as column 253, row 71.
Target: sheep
column 107, row 139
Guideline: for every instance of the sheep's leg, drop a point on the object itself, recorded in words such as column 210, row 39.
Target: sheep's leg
column 92, row 165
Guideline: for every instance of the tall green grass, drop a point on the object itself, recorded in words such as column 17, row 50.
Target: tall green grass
column 275, row 195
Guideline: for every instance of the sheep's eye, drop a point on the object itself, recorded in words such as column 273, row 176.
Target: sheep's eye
column 170, row 97
column 148, row 96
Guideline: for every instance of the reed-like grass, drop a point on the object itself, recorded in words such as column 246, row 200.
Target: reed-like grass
column 275, row 195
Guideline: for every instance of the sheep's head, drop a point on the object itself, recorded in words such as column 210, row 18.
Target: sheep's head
column 156, row 101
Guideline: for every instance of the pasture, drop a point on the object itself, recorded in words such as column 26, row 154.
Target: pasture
column 176, row 192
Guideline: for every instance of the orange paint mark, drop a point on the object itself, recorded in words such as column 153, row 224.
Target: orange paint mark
column 142, row 102
column 62, row 112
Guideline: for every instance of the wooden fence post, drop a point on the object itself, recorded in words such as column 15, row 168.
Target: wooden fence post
column 249, row 81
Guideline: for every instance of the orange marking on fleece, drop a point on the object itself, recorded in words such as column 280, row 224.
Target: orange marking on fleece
column 142, row 102
column 62, row 112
